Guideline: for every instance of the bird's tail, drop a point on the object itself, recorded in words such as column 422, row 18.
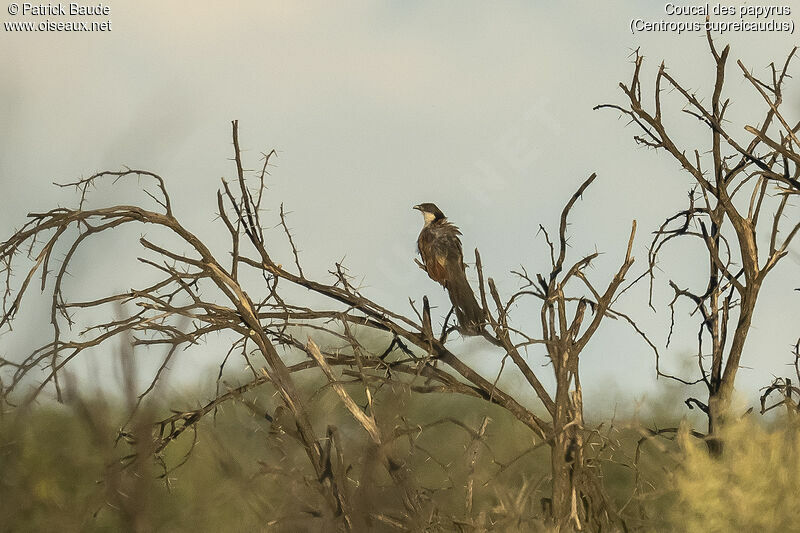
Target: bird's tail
column 468, row 312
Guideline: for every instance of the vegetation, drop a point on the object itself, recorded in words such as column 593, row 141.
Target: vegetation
column 351, row 416
column 64, row 470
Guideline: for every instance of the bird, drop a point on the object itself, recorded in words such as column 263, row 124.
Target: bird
column 440, row 247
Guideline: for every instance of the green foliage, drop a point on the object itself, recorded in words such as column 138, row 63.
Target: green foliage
column 48, row 473
column 64, row 470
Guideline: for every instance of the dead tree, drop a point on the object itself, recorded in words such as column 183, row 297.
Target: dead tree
column 251, row 295
column 578, row 501
column 742, row 184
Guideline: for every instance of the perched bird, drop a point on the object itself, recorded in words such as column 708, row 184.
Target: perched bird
column 442, row 259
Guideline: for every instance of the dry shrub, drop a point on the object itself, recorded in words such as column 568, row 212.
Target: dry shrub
column 752, row 487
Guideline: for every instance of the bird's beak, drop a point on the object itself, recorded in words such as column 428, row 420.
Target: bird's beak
column 417, row 207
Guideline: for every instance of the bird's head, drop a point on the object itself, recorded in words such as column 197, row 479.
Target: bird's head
column 430, row 212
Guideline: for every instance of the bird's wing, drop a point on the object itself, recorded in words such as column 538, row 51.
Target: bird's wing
column 440, row 248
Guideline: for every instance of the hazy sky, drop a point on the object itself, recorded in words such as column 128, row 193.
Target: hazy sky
column 484, row 108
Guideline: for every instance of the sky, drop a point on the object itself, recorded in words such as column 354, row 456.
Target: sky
column 483, row 108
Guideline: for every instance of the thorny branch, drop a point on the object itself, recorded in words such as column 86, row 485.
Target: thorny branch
column 198, row 294
column 730, row 209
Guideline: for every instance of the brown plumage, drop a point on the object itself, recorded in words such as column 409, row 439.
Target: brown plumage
column 440, row 248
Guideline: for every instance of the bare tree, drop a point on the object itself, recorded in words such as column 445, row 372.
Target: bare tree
column 252, row 296
column 565, row 333
column 742, row 185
